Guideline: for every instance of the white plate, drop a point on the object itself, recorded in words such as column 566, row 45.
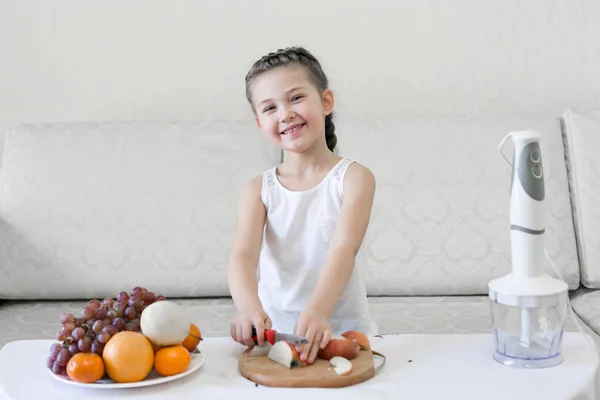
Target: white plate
column 152, row 379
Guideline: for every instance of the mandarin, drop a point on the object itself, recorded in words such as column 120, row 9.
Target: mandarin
column 172, row 360
column 193, row 338
column 85, row 367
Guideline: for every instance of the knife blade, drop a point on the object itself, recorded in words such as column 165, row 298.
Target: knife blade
column 273, row 336
column 293, row 339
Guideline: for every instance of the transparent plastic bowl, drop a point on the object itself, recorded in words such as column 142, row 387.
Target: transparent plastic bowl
column 528, row 337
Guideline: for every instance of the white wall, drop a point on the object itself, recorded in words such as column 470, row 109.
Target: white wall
column 186, row 59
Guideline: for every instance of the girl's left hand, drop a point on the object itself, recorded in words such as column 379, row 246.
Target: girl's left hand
column 313, row 326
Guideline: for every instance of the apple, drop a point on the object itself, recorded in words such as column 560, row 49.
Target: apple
column 260, row 351
column 339, row 346
column 285, row 353
column 358, row 337
column 341, row 365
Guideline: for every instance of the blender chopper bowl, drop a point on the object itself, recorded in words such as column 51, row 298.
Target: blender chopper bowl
column 528, row 335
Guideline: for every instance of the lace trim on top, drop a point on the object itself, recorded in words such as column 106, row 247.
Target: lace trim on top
column 338, row 172
column 270, row 178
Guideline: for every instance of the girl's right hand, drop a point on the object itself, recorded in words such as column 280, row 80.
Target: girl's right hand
column 242, row 323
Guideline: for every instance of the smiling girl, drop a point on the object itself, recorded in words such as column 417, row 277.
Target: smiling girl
column 301, row 222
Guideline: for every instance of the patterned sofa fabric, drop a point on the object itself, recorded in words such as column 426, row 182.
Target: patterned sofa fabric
column 440, row 220
column 154, row 204
column 90, row 209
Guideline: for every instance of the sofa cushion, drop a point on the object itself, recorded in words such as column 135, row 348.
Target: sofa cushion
column 582, row 140
column 440, row 223
column 408, row 315
column 89, row 208
column 35, row 320
column 41, row 319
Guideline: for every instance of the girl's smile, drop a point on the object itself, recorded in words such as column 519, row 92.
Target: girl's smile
column 293, row 130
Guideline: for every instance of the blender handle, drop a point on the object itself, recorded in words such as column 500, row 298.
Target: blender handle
column 500, row 149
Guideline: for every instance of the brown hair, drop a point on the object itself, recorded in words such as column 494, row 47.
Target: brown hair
column 302, row 57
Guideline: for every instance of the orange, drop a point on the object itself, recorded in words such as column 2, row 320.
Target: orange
column 128, row 357
column 85, row 367
column 172, row 360
column 193, row 338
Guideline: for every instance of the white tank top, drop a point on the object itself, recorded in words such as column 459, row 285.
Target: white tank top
column 298, row 229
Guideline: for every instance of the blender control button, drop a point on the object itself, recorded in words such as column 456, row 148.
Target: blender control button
column 535, row 155
column 537, row 171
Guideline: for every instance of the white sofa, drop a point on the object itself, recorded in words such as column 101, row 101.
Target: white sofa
column 92, row 208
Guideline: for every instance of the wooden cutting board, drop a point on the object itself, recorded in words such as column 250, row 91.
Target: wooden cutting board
column 266, row 372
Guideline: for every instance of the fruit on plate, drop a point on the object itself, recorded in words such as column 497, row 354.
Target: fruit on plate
column 285, row 353
column 97, row 322
column 165, row 323
column 172, row 360
column 341, row 365
column 128, row 357
column 339, row 346
column 358, row 337
column 85, row 367
column 193, row 338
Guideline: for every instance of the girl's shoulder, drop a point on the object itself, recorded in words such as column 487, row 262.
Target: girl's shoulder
column 359, row 173
column 354, row 176
column 256, row 184
column 252, row 189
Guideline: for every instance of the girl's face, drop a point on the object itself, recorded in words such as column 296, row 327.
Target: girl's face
column 290, row 109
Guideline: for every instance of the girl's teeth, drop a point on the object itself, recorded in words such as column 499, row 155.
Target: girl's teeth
column 293, row 130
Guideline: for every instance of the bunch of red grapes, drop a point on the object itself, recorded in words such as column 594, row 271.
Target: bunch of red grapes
column 97, row 323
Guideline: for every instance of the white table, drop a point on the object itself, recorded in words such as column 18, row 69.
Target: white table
column 441, row 367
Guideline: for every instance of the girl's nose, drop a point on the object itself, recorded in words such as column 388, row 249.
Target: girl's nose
column 286, row 115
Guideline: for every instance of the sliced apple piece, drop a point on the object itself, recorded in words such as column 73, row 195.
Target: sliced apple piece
column 285, row 354
column 341, row 365
column 260, row 351
column 358, row 337
column 339, row 346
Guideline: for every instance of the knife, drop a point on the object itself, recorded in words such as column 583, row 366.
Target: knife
column 273, row 336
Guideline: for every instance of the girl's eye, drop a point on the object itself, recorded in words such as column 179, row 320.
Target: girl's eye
column 297, row 97
column 268, row 109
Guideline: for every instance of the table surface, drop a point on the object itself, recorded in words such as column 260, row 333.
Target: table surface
column 417, row 367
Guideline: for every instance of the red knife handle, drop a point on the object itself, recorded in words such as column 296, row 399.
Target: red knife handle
column 269, row 335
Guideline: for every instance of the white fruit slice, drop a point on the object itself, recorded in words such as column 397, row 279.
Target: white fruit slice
column 283, row 353
column 260, row 351
column 341, row 365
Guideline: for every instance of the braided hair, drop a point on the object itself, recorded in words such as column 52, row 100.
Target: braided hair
column 302, row 57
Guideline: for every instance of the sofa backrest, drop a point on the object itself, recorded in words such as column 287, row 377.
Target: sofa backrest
column 440, row 222
column 87, row 209
column 581, row 133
